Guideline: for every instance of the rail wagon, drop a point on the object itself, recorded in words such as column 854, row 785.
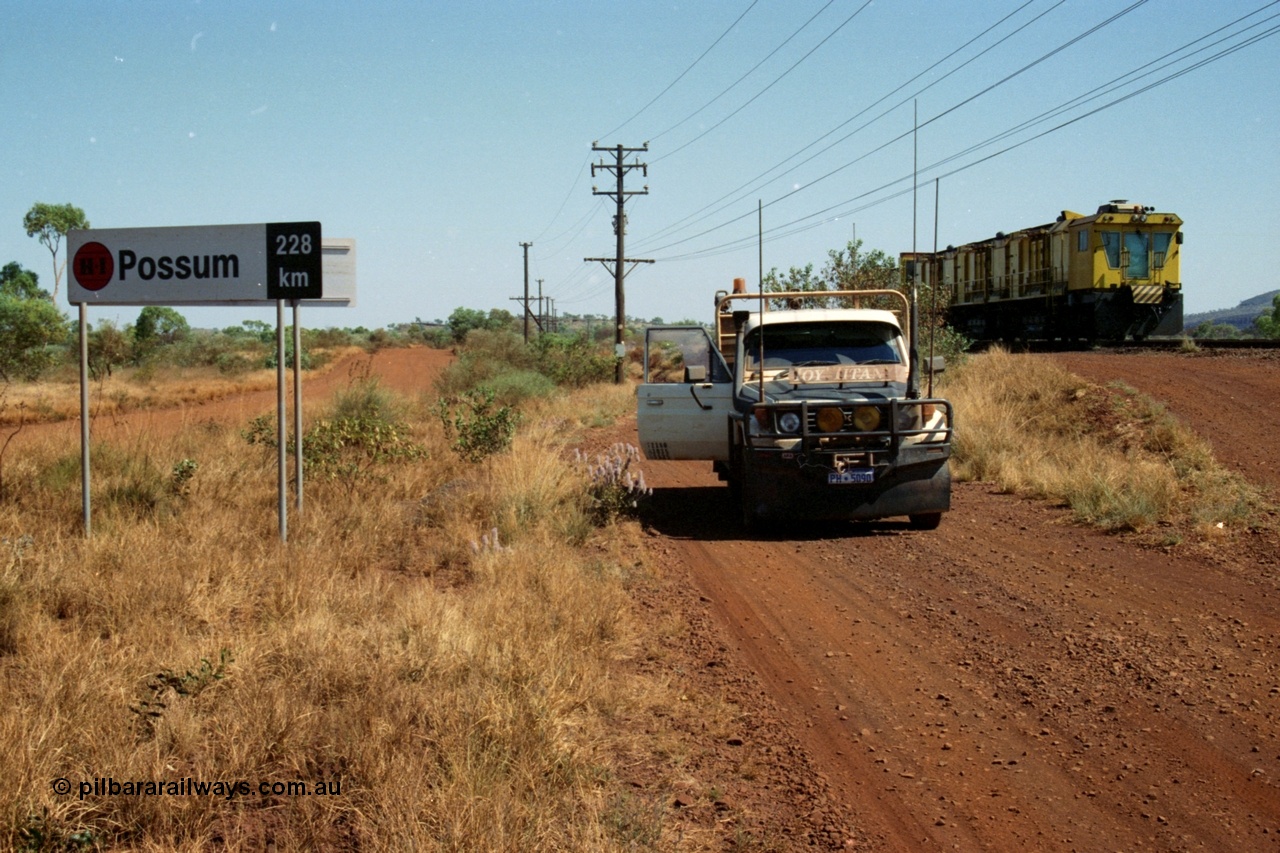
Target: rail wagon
column 1111, row 276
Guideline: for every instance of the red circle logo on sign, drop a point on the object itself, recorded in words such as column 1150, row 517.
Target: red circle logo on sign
column 93, row 266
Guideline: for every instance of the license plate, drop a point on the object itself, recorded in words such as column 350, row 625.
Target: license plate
column 851, row 475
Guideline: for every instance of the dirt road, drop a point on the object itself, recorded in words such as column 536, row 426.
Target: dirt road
column 407, row 371
column 1011, row 681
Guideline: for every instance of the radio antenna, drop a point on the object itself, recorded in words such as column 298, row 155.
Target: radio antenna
column 760, row 252
column 913, row 322
column 933, row 285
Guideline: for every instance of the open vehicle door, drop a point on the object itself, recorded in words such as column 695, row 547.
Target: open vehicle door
column 682, row 409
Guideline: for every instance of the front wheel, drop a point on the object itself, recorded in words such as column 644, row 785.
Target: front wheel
column 747, row 505
column 925, row 520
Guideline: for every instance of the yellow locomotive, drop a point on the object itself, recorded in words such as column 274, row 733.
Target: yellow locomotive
column 1106, row 277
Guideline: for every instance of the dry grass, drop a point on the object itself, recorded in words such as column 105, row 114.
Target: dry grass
column 1118, row 459
column 129, row 389
column 458, row 685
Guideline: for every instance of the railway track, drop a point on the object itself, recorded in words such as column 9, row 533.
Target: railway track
column 1257, row 345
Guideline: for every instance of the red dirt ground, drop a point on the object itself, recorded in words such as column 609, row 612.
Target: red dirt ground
column 1006, row 682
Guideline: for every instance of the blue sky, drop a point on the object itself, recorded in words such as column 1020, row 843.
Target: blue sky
column 442, row 135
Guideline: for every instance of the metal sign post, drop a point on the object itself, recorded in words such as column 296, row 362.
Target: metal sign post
column 84, row 416
column 297, row 409
column 281, row 449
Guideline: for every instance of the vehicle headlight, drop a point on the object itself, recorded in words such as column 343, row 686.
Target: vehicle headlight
column 830, row 419
column 866, row 418
column 789, row 422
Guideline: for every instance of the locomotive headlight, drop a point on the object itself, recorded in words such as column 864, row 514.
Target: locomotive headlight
column 789, row 422
column 866, row 418
column 830, row 419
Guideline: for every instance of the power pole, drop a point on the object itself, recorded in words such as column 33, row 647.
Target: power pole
column 542, row 317
column 619, row 170
column 528, row 312
column 526, row 246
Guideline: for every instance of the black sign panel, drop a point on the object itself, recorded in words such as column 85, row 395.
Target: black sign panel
column 293, row 260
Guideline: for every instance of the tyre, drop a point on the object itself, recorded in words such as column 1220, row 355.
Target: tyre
column 747, row 505
column 925, row 520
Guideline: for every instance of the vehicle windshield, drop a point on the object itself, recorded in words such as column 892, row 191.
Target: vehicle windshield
column 813, row 344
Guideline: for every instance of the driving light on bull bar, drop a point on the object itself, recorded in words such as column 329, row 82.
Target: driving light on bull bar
column 866, row 418
column 789, row 422
column 830, row 419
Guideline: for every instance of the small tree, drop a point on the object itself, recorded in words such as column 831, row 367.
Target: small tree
column 1209, row 330
column 157, row 325
column 108, row 348
column 27, row 328
column 846, row 269
column 851, row 268
column 20, row 283
column 51, row 222
column 1268, row 325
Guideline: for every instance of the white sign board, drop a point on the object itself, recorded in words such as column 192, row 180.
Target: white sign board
column 338, row 259
column 202, row 265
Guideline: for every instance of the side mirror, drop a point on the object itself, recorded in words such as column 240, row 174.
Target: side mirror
column 937, row 364
column 695, row 373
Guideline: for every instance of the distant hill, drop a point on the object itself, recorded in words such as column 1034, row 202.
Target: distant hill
column 1241, row 316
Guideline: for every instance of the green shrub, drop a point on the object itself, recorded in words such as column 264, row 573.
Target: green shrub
column 499, row 361
column 572, row 360
column 514, row 387
column 272, row 357
column 475, row 427
column 486, row 354
column 345, row 448
column 363, row 430
column 365, row 398
column 233, row 364
column 230, row 353
column 341, row 448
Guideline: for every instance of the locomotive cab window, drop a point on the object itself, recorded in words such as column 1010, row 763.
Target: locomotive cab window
column 1160, row 249
column 1082, row 240
column 1111, row 245
column 1137, row 248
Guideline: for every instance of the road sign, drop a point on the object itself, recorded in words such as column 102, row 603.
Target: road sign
column 339, row 263
column 200, row 265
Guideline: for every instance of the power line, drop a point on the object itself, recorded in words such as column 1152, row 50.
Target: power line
column 775, row 81
column 577, row 228
column 581, row 171
column 930, row 121
column 749, row 72
column 752, row 185
column 777, row 231
column 1116, row 83
column 684, row 72
column 788, row 40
